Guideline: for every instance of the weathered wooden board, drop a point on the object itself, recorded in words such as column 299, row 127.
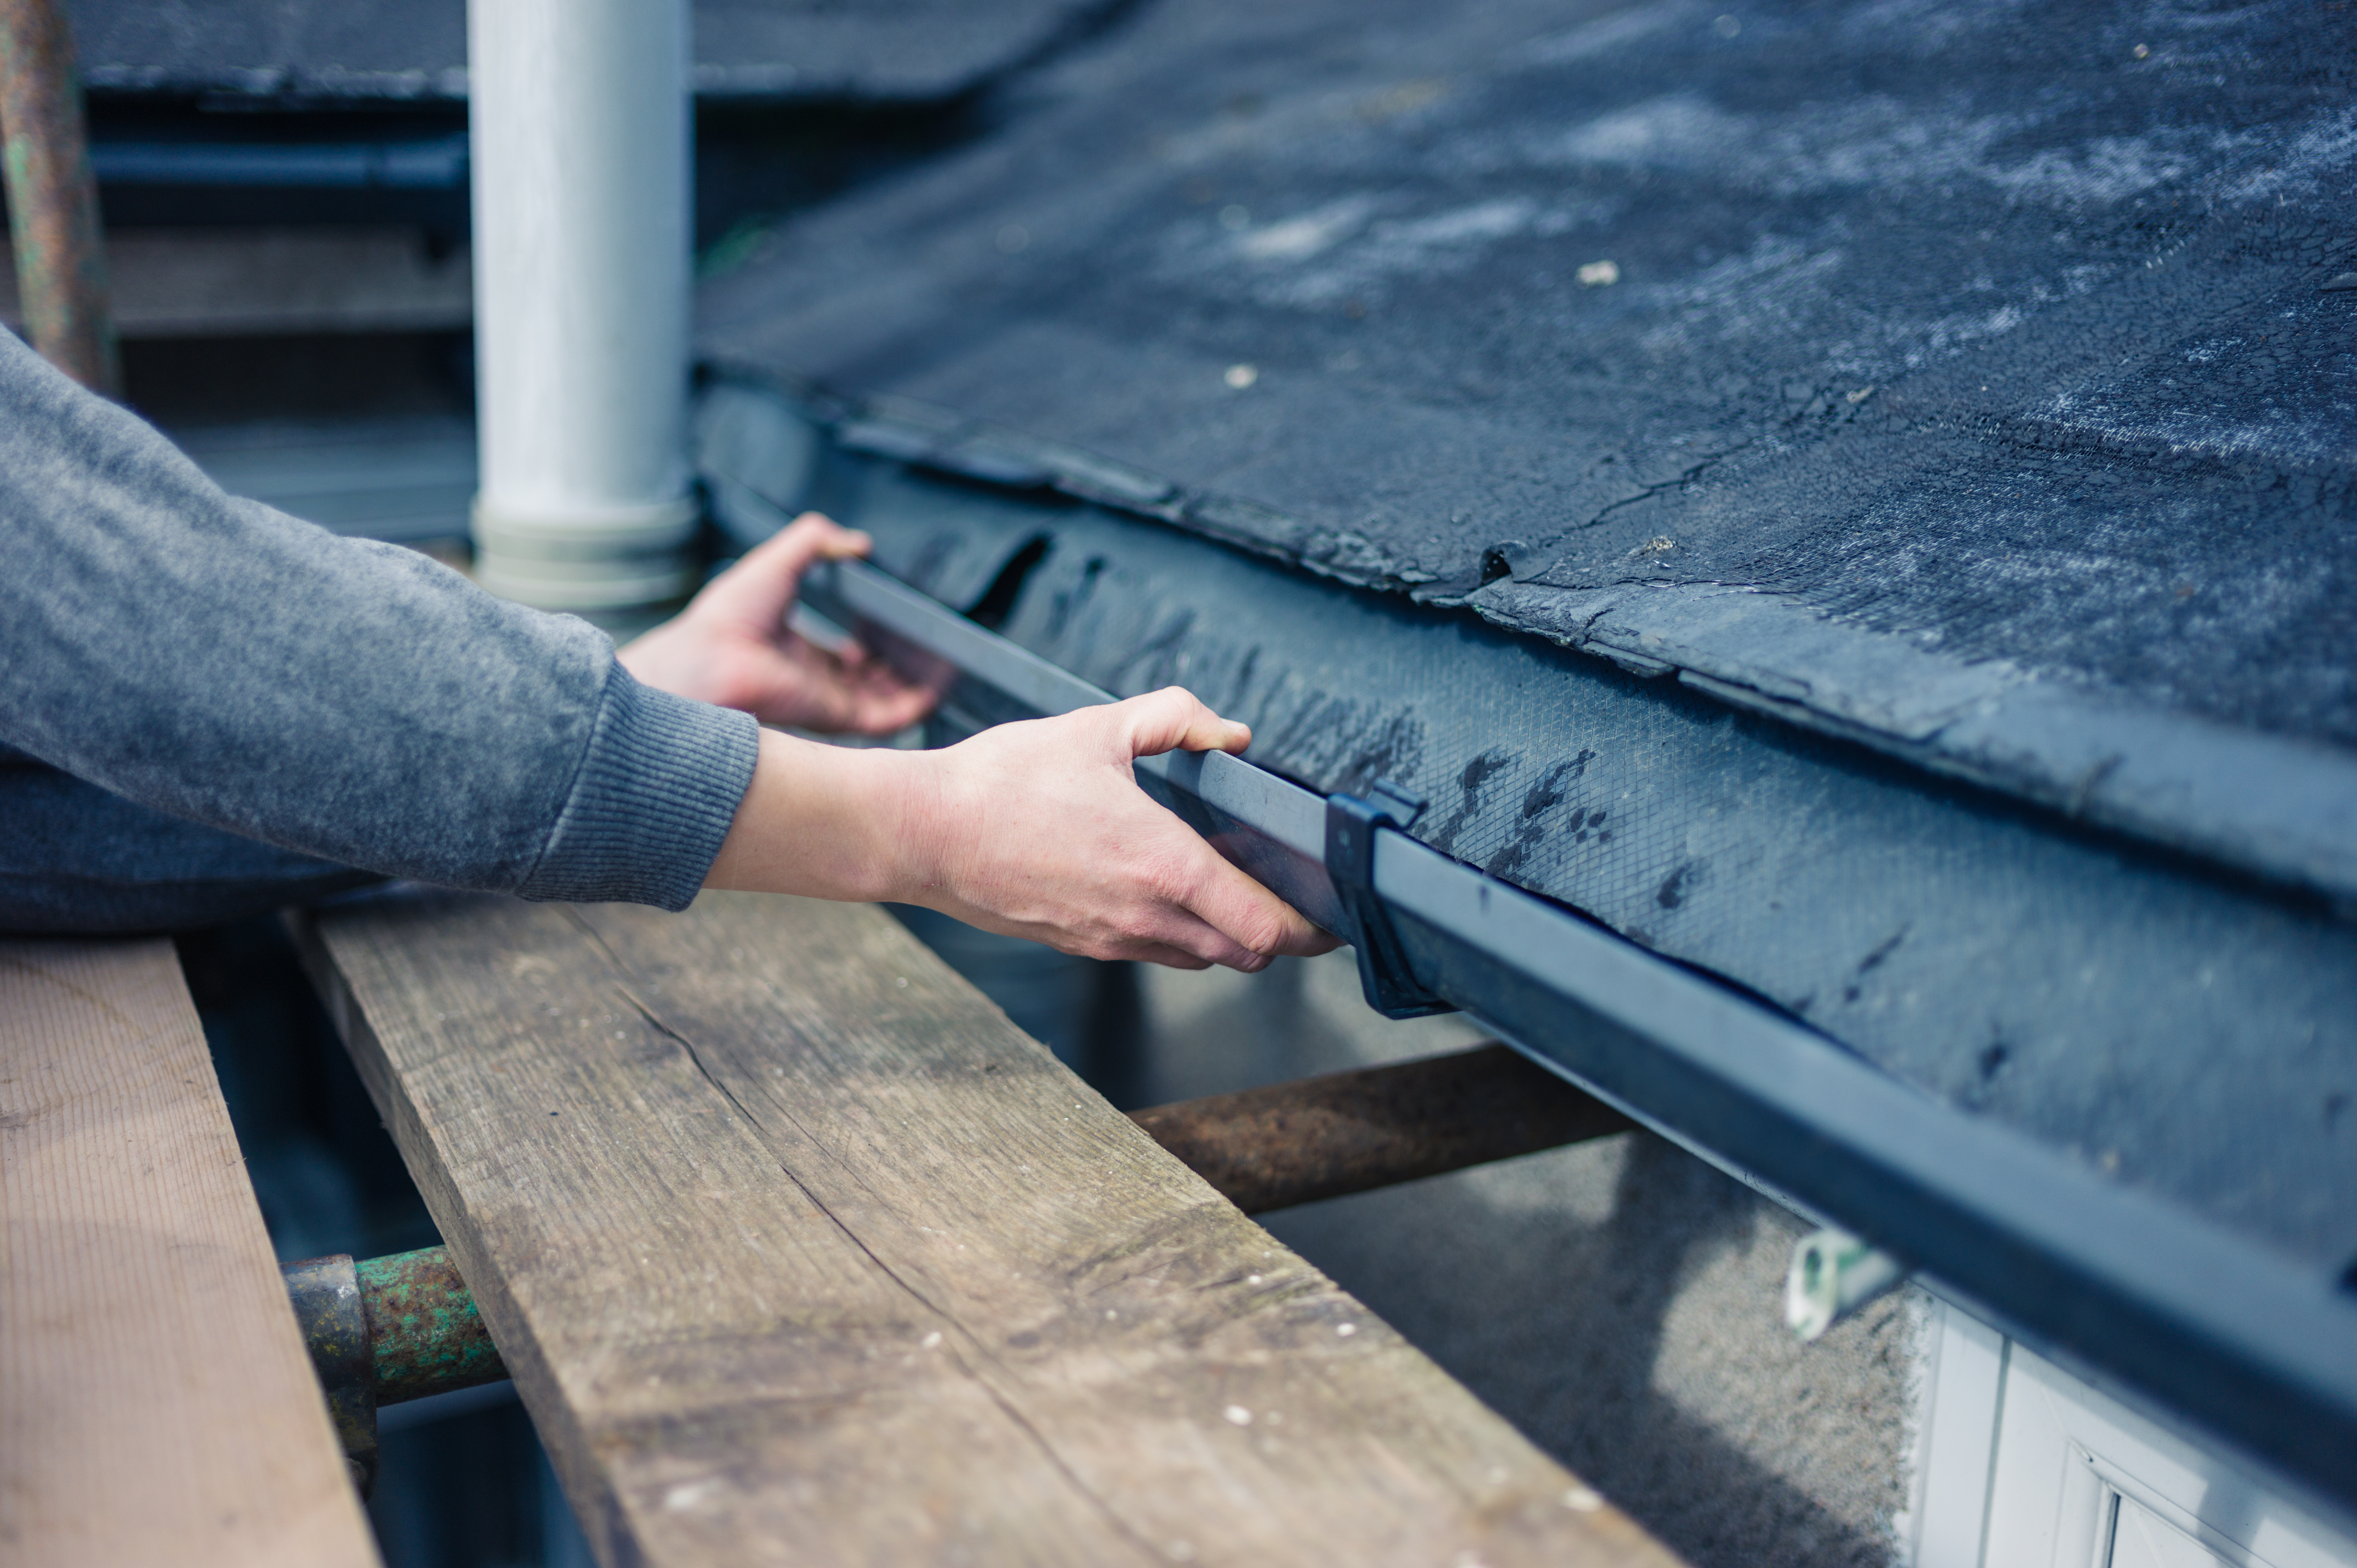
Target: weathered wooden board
column 801, row 1252
column 155, row 1401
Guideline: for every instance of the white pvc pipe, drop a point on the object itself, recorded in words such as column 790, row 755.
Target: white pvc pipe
column 578, row 116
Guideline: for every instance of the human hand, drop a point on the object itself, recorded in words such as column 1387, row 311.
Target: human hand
column 1034, row 830
column 1039, row 830
column 731, row 646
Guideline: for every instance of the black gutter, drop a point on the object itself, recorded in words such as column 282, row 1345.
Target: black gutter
column 2140, row 1296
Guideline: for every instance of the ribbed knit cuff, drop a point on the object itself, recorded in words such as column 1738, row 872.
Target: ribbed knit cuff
column 656, row 793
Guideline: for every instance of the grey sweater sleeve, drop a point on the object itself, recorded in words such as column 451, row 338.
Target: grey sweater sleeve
column 223, row 662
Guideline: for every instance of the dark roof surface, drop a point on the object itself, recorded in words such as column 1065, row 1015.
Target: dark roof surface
column 2189, row 1035
column 1970, row 381
column 830, row 51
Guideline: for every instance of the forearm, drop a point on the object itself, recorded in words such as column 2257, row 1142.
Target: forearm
column 226, row 664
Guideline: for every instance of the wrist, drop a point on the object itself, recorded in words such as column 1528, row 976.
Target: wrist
column 899, row 807
column 827, row 822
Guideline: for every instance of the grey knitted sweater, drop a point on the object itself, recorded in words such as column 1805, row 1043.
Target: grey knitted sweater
column 208, row 708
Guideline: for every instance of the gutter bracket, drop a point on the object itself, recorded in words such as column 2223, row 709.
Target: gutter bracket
column 1384, row 974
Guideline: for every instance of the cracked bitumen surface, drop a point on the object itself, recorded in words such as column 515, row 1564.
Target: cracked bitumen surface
column 1971, row 383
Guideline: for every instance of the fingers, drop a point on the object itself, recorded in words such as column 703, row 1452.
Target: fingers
column 872, row 700
column 1174, row 718
column 735, row 637
column 1238, row 922
column 842, row 694
column 1199, row 905
column 1221, row 915
column 1254, row 924
column 760, row 588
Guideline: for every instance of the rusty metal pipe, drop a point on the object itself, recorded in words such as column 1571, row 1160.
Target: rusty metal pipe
column 404, row 1326
column 386, row 1330
column 1352, row 1132
column 52, row 199
column 427, row 1336
column 327, row 1297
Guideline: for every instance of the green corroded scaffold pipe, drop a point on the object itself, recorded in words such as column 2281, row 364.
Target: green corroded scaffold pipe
column 1264, row 1148
column 428, row 1336
column 52, row 199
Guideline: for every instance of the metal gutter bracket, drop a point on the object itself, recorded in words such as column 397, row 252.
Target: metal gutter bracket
column 1833, row 1274
column 1352, row 823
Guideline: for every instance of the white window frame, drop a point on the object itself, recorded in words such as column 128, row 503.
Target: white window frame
column 2020, row 1465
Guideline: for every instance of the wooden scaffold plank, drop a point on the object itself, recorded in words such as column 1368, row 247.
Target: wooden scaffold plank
column 157, row 1405
column 801, row 1252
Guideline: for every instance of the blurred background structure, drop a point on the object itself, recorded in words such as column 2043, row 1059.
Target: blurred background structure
column 2050, row 314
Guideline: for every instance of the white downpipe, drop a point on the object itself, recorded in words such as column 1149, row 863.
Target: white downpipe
column 579, row 112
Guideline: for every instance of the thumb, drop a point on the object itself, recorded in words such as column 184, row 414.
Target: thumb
column 758, row 588
column 1174, row 718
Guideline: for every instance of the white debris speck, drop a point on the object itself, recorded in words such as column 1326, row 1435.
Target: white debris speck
column 1240, row 376
column 1726, row 26
column 1251, row 1279
column 1346, row 1330
column 1599, row 274
column 688, row 1494
column 900, row 981
column 931, row 1339
column 1237, row 1415
column 1579, row 1499
column 1297, row 238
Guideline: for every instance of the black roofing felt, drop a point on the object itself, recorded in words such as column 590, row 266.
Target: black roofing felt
column 2189, row 1035
column 1970, row 381
column 865, row 51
